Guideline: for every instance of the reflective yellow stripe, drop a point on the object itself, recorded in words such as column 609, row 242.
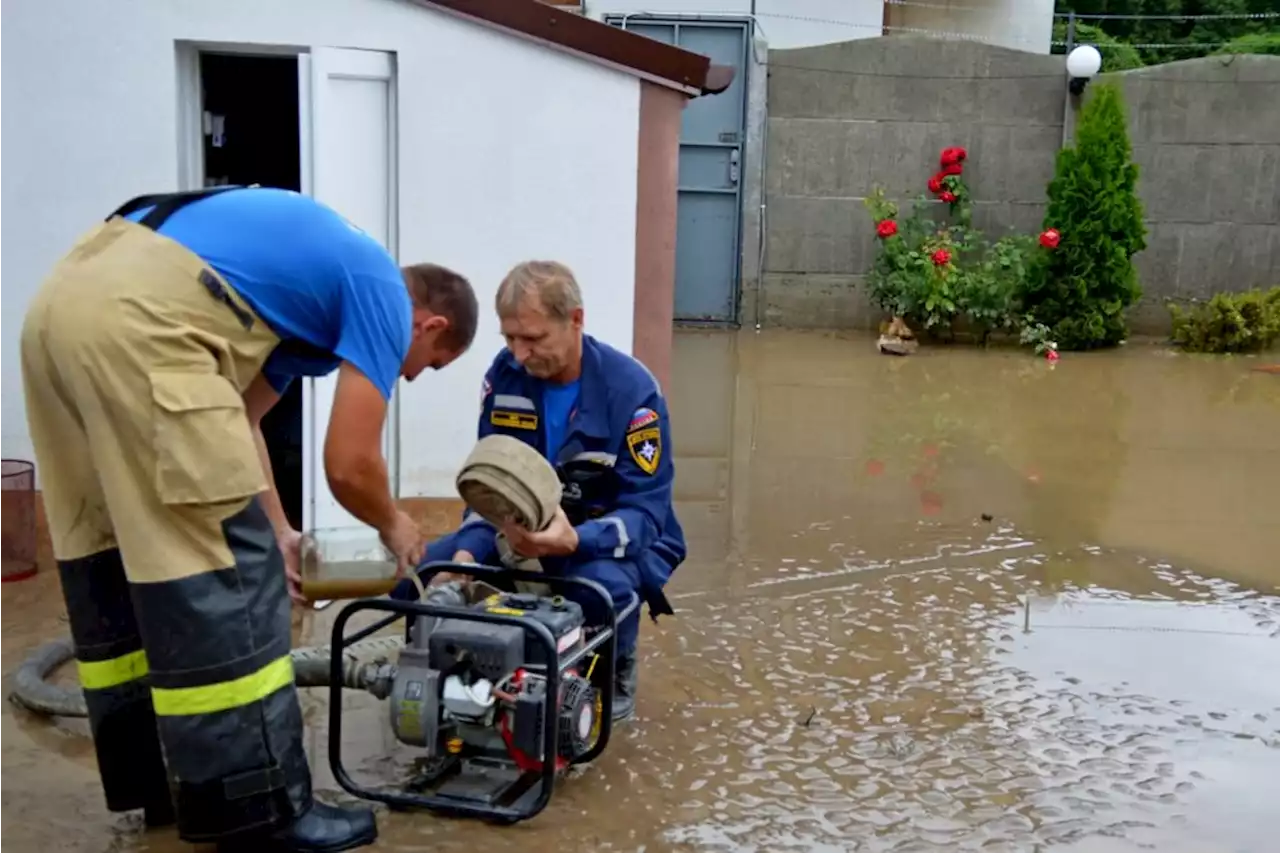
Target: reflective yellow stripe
column 103, row 674
column 189, row 701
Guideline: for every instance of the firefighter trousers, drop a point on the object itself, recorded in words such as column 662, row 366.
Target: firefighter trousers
column 134, row 358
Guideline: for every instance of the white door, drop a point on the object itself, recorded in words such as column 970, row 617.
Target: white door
column 348, row 116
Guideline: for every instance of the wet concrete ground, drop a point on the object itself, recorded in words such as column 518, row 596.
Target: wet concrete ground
column 864, row 661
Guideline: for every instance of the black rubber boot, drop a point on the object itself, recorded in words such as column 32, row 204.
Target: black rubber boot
column 160, row 813
column 625, row 678
column 321, row 829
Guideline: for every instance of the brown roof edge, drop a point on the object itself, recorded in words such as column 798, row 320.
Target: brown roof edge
column 645, row 56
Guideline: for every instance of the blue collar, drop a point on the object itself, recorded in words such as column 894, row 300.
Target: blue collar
column 592, row 414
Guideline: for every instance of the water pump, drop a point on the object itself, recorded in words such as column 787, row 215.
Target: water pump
column 501, row 695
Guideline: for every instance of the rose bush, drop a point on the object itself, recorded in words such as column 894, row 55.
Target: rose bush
column 938, row 274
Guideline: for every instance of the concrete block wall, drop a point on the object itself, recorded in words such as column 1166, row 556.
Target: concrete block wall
column 845, row 118
column 1206, row 138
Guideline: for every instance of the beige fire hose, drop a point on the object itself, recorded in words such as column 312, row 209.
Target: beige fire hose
column 505, row 480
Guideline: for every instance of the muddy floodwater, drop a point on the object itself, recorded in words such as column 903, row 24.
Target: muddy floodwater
column 963, row 600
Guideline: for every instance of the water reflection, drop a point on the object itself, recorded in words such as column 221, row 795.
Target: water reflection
column 957, row 601
column 836, row 450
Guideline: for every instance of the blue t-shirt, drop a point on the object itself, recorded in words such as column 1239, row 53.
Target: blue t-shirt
column 557, row 405
column 309, row 274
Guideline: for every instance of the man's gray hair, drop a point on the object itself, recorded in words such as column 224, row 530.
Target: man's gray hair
column 550, row 281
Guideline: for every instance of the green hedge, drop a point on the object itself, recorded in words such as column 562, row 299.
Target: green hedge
column 1229, row 322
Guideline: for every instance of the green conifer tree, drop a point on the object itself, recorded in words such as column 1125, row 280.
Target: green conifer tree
column 1080, row 290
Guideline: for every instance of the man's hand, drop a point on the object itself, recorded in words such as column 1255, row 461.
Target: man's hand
column 290, row 542
column 404, row 540
column 259, row 397
column 449, row 577
column 559, row 539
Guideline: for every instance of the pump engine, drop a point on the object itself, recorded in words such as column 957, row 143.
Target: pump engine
column 475, row 690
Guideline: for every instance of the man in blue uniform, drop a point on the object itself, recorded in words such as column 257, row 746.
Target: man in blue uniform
column 600, row 417
column 149, row 356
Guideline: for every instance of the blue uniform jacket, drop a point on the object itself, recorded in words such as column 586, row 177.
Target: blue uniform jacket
column 620, row 419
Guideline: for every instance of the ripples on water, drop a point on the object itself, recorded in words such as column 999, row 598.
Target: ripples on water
column 907, row 707
column 934, row 720
column 845, row 704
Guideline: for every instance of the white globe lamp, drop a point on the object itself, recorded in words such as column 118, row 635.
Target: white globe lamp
column 1083, row 65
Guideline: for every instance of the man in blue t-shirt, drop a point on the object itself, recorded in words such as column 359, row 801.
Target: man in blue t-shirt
column 149, row 356
column 340, row 302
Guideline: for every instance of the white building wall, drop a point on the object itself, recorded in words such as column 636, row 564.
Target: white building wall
column 1020, row 24
column 507, row 151
column 782, row 23
column 1016, row 24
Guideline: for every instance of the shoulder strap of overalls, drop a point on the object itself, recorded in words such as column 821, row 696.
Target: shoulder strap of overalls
column 164, row 205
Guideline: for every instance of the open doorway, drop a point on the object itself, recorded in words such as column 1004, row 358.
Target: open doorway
column 250, row 123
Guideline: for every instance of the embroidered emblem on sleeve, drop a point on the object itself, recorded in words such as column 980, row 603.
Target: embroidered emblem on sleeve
column 644, row 440
column 641, row 419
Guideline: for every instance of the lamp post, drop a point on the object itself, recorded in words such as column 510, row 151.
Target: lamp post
column 1083, row 64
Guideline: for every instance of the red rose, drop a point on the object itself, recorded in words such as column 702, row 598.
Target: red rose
column 1050, row 238
column 948, row 196
column 941, row 257
column 952, row 169
column 886, row 228
column 953, row 156
column 935, row 184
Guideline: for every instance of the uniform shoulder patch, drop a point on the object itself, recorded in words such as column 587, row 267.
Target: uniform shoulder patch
column 486, row 388
column 642, row 418
column 644, row 440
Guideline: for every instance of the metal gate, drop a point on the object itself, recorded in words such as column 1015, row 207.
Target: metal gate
column 712, row 140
